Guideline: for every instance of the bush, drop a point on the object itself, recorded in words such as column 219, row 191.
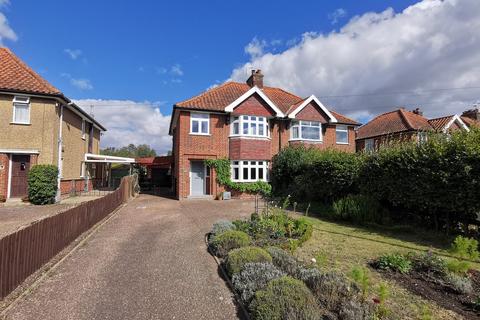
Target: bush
column 359, row 209
column 285, row 298
column 428, row 262
column 224, row 242
column 458, row 267
column 460, row 284
column 311, row 174
column 221, row 226
column 42, row 184
column 283, row 260
column 395, row 262
column 466, row 248
column 3, row 199
column 237, row 258
column 253, row 277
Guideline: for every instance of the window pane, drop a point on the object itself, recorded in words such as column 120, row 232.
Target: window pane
column 342, row 136
column 245, row 117
column 253, row 173
column 195, row 126
column 260, row 173
column 245, row 162
column 199, row 115
column 315, row 124
column 236, row 128
column 21, row 113
column 245, row 128
column 310, row 133
column 204, row 126
column 295, row 132
column 260, row 130
column 245, row 173
column 236, row 174
column 253, row 128
column 235, row 163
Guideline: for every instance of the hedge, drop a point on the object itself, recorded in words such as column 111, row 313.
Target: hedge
column 42, row 184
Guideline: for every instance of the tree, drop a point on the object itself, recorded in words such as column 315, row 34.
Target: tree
column 130, row 151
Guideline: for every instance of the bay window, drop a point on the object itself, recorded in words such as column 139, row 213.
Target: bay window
column 341, row 133
column 306, row 130
column 249, row 171
column 199, row 123
column 21, row 110
column 250, row 126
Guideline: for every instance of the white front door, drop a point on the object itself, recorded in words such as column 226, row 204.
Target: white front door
column 197, row 178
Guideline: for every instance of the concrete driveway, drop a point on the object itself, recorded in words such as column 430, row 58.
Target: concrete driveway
column 148, row 262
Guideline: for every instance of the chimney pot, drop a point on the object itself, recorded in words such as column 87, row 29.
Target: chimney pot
column 418, row 111
column 256, row 79
column 473, row 113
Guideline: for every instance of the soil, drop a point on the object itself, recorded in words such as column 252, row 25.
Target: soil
column 434, row 289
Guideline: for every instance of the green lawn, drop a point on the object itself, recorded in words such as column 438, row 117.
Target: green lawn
column 342, row 247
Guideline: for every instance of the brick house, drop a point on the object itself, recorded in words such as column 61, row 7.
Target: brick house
column 248, row 123
column 41, row 126
column 404, row 125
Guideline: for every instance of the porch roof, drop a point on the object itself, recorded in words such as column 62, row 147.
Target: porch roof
column 101, row 158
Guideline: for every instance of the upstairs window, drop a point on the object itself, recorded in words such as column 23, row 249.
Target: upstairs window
column 84, row 125
column 249, row 171
column 21, row 110
column 306, row 130
column 199, row 123
column 251, row 126
column 341, row 133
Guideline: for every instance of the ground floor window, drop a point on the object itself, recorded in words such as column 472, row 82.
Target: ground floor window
column 249, row 171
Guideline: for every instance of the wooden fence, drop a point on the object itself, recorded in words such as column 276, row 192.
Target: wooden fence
column 25, row 251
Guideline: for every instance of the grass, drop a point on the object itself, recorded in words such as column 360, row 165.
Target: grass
column 344, row 247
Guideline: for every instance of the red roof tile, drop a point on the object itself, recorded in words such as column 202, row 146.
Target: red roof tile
column 218, row 98
column 396, row 121
column 440, row 123
column 17, row 76
column 470, row 122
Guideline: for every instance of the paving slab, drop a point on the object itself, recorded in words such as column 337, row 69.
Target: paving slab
column 148, row 262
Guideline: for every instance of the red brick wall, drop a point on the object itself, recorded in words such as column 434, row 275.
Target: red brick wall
column 250, row 149
column 4, row 161
column 312, row 112
column 254, row 106
column 78, row 185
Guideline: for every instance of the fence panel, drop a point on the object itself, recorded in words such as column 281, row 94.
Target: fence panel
column 25, row 251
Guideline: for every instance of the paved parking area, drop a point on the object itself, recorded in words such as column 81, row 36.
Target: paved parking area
column 148, row 262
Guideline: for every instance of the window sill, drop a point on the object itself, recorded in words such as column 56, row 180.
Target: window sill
column 248, row 181
column 305, row 140
column 250, row 137
column 199, row 134
column 21, row 123
column 343, row 143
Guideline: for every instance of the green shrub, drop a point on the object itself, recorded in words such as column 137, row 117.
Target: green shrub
column 285, row 298
column 283, row 260
column 396, row 262
column 228, row 240
column 466, row 248
column 460, row 284
column 222, row 226
column 457, row 266
column 359, row 209
column 42, row 184
column 361, row 276
column 428, row 262
column 237, row 258
column 253, row 277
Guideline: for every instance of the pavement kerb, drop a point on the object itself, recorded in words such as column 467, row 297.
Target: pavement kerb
column 47, row 272
column 227, row 278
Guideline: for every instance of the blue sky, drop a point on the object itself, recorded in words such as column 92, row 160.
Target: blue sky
column 133, row 59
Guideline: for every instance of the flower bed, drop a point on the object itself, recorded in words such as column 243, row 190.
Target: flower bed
column 271, row 283
column 450, row 283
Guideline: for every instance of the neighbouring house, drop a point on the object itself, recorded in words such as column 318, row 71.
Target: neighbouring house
column 404, row 125
column 247, row 123
column 158, row 171
column 40, row 125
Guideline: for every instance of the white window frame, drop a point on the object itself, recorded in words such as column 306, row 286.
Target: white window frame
column 369, row 145
column 241, row 120
column 301, row 123
column 21, row 101
column 341, row 128
column 249, row 165
column 201, row 119
column 84, row 129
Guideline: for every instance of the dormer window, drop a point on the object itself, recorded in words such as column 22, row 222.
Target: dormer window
column 306, row 130
column 249, row 126
column 21, row 110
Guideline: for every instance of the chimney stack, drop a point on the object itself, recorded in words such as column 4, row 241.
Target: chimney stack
column 473, row 113
column 418, row 111
column 256, row 79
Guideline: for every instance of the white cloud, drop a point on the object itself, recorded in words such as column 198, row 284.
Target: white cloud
column 131, row 122
column 6, row 32
column 337, row 15
column 431, row 45
column 80, row 83
column 176, row 70
column 255, row 48
column 74, row 54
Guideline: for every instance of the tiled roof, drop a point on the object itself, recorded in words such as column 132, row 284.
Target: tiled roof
column 162, row 160
column 17, row 76
column 440, row 123
column 218, row 98
column 395, row 121
column 470, row 122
